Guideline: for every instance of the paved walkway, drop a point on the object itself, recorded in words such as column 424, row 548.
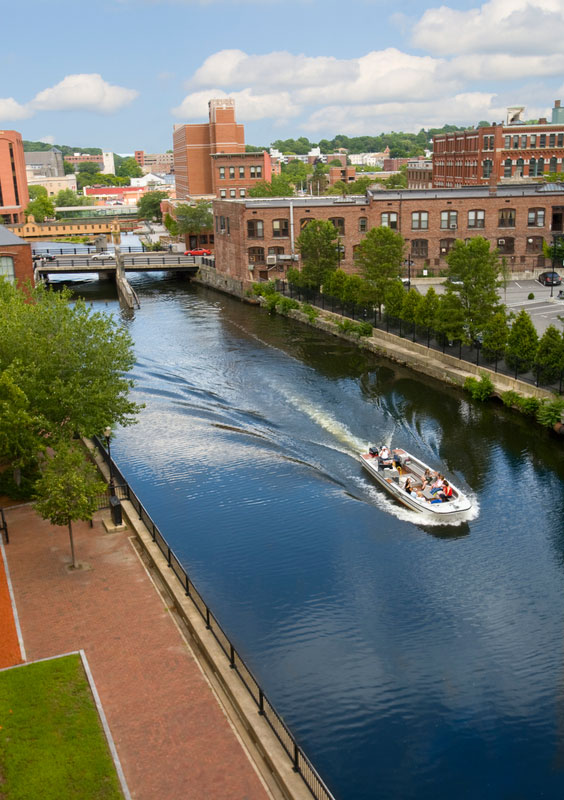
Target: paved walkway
column 172, row 737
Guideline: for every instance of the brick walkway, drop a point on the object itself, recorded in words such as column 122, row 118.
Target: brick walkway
column 173, row 739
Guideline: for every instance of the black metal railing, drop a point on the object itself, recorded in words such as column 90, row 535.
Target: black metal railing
column 472, row 352
column 300, row 762
column 3, row 526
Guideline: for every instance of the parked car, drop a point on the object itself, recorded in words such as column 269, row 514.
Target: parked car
column 549, row 279
column 43, row 257
column 198, row 251
column 105, row 256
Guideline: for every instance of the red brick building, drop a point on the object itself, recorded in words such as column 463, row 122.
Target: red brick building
column 194, row 144
column 345, row 174
column 16, row 264
column 233, row 174
column 419, row 173
column 256, row 238
column 85, row 159
column 480, row 156
column 14, row 195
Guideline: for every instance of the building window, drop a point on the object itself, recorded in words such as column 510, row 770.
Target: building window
column 242, row 192
column 532, row 166
column 304, row 222
column 232, row 172
column 256, row 172
column 507, row 168
column 275, row 251
column 232, row 193
column 280, row 228
column 362, row 224
column 222, row 173
column 542, row 140
column 516, row 142
column 535, row 218
column 419, row 248
column 222, row 225
column 256, row 255
column 507, row 144
column 241, row 172
column 223, row 194
column 534, row 244
column 506, row 218
column 476, row 218
column 419, row 220
column 552, row 140
column 446, row 246
column 523, row 141
column 7, row 268
column 339, row 223
column 390, row 220
column 553, row 166
column 533, row 140
column 506, row 246
column 255, row 229
column 449, row 219
column 560, row 140
column 487, row 165
column 540, row 166
column 520, row 167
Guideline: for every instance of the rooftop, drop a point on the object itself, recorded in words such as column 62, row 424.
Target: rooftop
column 7, row 238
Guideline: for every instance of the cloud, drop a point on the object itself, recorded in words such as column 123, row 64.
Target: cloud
column 11, row 109
column 47, row 139
column 506, row 67
column 86, row 92
column 500, row 26
column 249, row 106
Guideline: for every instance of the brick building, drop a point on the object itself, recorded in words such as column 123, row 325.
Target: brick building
column 14, row 195
column 497, row 152
column 256, row 238
column 16, row 264
column 155, row 162
column 85, row 158
column 194, row 144
column 419, row 173
column 233, row 174
column 344, row 174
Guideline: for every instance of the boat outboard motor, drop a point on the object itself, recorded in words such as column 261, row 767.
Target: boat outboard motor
column 374, row 451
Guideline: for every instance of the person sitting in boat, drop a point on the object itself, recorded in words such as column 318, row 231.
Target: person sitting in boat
column 428, row 478
column 446, row 492
column 437, row 484
column 409, row 488
column 385, row 456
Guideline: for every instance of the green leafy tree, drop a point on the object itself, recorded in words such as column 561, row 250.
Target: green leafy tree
column 334, row 285
column 149, row 206
column 66, row 197
column 394, row 295
column 19, row 426
column 194, row 220
column 297, row 172
column 88, row 168
column 68, row 168
column 40, row 208
column 495, row 335
column 476, row 267
column 67, row 489
column 129, row 168
column 522, row 343
column 451, row 318
column 550, row 355
column 426, row 312
column 411, row 304
column 317, row 244
column 37, row 191
column 379, row 257
column 171, row 224
column 278, row 186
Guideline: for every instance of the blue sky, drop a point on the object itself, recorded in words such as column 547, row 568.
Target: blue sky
column 118, row 74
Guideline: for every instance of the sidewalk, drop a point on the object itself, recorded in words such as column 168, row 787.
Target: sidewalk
column 173, row 739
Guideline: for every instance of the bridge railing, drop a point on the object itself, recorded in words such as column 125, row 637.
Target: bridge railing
column 300, row 762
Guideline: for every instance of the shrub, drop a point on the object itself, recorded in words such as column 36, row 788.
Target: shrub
column 284, row 304
column 479, row 389
column 531, row 296
column 528, row 405
column 550, row 411
column 364, row 329
column 347, row 326
column 510, row 399
column 272, row 301
column 264, row 289
column 311, row 312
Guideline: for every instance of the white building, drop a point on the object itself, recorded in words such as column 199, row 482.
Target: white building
column 53, row 185
column 109, row 167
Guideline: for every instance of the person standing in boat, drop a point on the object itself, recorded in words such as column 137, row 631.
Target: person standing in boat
column 385, row 456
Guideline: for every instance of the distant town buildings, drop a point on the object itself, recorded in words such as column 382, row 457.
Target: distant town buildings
column 14, row 195
column 155, row 162
column 48, row 163
column 495, row 153
column 104, row 160
column 55, row 184
column 419, row 173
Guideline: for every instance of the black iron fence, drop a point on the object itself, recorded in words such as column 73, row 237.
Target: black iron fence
column 300, row 762
column 3, row 527
column 471, row 352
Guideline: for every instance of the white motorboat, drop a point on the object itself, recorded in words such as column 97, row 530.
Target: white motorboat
column 413, row 483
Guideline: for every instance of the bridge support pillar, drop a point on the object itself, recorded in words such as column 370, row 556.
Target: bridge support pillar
column 106, row 275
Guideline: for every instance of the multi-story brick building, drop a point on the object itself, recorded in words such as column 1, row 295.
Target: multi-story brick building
column 256, row 238
column 85, row 158
column 155, row 162
column 16, row 264
column 497, row 152
column 419, row 173
column 233, row 174
column 194, row 144
column 14, row 195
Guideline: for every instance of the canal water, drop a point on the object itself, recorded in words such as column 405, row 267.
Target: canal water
column 410, row 659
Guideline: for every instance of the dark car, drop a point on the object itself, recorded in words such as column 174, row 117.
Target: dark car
column 43, row 257
column 198, row 251
column 549, row 279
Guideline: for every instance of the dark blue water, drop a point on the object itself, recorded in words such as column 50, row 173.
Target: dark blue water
column 410, row 659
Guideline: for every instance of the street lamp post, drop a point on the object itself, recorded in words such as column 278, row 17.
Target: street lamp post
column 107, row 435
column 408, row 263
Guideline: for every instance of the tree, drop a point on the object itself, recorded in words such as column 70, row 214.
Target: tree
column 68, row 168
column 170, row 224
column 149, row 206
column 394, row 295
column 450, row 319
column 89, row 168
column 426, row 312
column 40, row 208
column 297, row 172
column 495, row 335
column 379, row 257
column 278, row 186
column 37, row 191
column 68, row 362
column 67, row 489
column 522, row 343
column 66, row 197
column 335, row 283
column 129, row 168
column 550, row 355
column 476, row 267
column 194, row 219
column 317, row 244
column 411, row 303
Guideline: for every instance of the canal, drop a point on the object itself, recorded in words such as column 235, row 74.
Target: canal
column 410, row 659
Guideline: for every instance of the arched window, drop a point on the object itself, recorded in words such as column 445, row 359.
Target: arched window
column 255, row 229
column 533, row 167
column 487, row 165
column 445, row 246
column 506, row 245
column 553, row 164
column 305, row 221
column 256, row 255
column 7, row 268
column 507, row 168
column 520, row 167
column 419, row 248
column 339, row 223
column 540, row 166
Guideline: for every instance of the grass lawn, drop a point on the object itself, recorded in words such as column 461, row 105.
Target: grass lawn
column 52, row 744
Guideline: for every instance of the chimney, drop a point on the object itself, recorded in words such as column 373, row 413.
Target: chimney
column 557, row 104
column 542, row 121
